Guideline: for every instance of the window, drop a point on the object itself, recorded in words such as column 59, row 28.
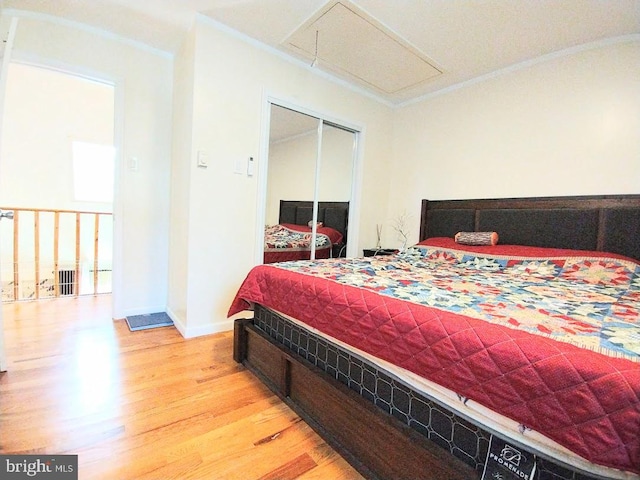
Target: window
column 93, row 167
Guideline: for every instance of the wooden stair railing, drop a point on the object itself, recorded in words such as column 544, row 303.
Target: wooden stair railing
column 55, row 255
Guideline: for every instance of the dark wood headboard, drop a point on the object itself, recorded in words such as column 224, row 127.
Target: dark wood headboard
column 609, row 223
column 332, row 214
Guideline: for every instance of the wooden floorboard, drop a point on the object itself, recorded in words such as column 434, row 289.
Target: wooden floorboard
column 147, row 404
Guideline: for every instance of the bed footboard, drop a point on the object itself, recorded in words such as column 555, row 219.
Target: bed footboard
column 374, row 442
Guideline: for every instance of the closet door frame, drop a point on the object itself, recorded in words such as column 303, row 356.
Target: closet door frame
column 263, row 169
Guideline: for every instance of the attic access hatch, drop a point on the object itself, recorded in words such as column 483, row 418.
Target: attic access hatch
column 353, row 44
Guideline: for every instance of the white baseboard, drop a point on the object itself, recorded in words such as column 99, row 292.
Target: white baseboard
column 142, row 311
column 198, row 330
column 178, row 322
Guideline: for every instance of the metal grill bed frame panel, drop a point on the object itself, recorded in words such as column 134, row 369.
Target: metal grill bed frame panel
column 460, row 437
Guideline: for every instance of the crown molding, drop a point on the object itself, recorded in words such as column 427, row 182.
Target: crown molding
column 526, row 64
column 86, row 28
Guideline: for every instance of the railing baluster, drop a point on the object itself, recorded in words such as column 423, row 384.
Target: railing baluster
column 16, row 274
column 36, row 243
column 76, row 276
column 95, row 253
column 56, row 245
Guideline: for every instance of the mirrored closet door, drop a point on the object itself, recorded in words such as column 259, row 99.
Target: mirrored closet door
column 309, row 186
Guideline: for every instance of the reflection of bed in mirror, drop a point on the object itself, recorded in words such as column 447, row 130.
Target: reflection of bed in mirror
column 290, row 239
column 413, row 365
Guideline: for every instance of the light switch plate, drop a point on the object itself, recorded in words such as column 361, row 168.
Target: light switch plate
column 133, row 164
column 203, row 159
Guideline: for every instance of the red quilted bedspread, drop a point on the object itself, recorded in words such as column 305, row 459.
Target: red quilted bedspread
column 551, row 368
column 288, row 242
column 284, row 255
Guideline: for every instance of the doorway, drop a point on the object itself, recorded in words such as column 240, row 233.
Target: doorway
column 58, row 172
column 57, row 164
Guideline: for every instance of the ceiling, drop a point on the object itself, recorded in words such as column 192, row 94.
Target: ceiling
column 284, row 124
column 395, row 50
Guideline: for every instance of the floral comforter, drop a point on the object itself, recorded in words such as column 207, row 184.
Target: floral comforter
column 550, row 341
column 593, row 303
column 279, row 237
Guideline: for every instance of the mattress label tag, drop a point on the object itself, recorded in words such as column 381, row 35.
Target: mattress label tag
column 506, row 462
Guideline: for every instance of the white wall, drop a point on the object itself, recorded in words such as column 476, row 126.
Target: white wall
column 336, row 166
column 233, row 79
column 44, row 112
column 143, row 80
column 566, row 126
column 181, row 179
column 292, row 169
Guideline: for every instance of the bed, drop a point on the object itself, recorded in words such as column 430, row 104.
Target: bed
column 419, row 384
column 291, row 238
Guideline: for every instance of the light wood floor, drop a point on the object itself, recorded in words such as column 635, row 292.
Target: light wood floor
column 147, row 404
